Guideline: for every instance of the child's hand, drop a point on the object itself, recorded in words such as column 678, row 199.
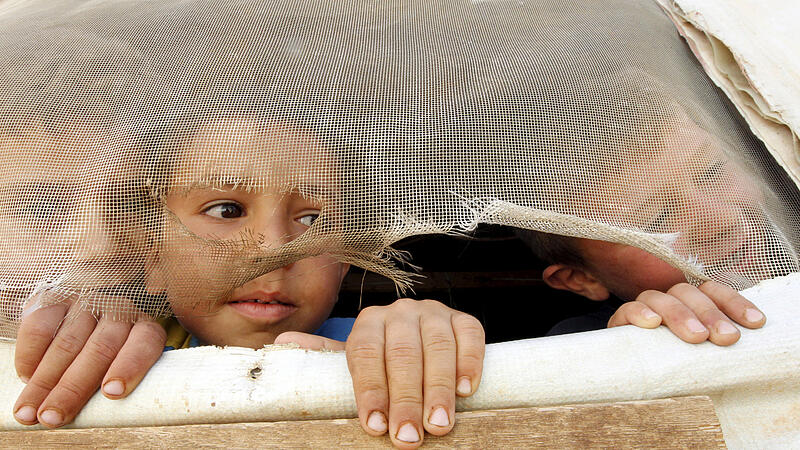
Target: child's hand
column 694, row 314
column 408, row 360
column 64, row 361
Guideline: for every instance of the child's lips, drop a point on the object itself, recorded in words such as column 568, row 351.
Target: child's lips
column 264, row 307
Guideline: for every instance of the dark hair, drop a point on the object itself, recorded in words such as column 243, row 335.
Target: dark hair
column 552, row 248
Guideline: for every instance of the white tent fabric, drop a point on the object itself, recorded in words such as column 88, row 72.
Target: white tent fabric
column 755, row 384
column 751, row 50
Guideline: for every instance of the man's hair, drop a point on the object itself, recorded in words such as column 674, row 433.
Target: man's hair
column 552, row 248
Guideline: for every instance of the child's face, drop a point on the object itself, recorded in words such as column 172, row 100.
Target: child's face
column 69, row 214
column 297, row 297
column 693, row 190
column 627, row 271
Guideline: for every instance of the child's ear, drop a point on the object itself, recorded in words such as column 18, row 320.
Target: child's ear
column 155, row 283
column 575, row 279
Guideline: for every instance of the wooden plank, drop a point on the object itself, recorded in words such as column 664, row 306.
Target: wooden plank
column 686, row 422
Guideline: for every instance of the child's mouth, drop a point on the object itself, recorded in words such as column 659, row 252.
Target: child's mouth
column 261, row 302
column 267, row 310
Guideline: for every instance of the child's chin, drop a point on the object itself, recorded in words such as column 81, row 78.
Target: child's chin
column 254, row 340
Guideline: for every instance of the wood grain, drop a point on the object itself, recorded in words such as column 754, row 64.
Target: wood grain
column 675, row 423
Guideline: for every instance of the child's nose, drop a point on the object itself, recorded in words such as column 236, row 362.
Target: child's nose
column 716, row 226
column 272, row 227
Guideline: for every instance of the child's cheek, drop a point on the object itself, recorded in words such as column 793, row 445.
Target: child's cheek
column 318, row 282
column 204, row 327
column 650, row 272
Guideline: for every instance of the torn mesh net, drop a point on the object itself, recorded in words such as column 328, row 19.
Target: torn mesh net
column 400, row 118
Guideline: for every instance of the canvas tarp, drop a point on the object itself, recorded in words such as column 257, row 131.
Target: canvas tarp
column 751, row 51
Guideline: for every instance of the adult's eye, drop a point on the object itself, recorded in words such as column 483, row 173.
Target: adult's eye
column 225, row 211
column 308, row 219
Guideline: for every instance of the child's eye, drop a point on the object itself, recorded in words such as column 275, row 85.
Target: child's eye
column 658, row 224
column 225, row 211
column 43, row 202
column 43, row 209
column 308, row 219
column 711, row 174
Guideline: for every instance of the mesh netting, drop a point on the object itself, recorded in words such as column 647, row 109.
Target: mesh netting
column 161, row 155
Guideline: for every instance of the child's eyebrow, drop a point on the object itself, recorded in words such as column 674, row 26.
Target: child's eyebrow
column 706, row 150
column 250, row 184
column 316, row 190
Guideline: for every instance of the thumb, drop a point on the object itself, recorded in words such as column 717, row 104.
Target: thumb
column 309, row 341
column 635, row 313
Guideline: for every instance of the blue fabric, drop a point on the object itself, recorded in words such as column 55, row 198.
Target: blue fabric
column 193, row 342
column 337, row 328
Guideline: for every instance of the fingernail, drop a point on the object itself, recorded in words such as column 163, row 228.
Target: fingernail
column 51, row 417
column 649, row 314
column 377, row 422
column 753, row 315
column 724, row 327
column 695, row 326
column 114, row 388
column 464, row 386
column 439, row 418
column 25, row 379
column 26, row 414
column 408, row 433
